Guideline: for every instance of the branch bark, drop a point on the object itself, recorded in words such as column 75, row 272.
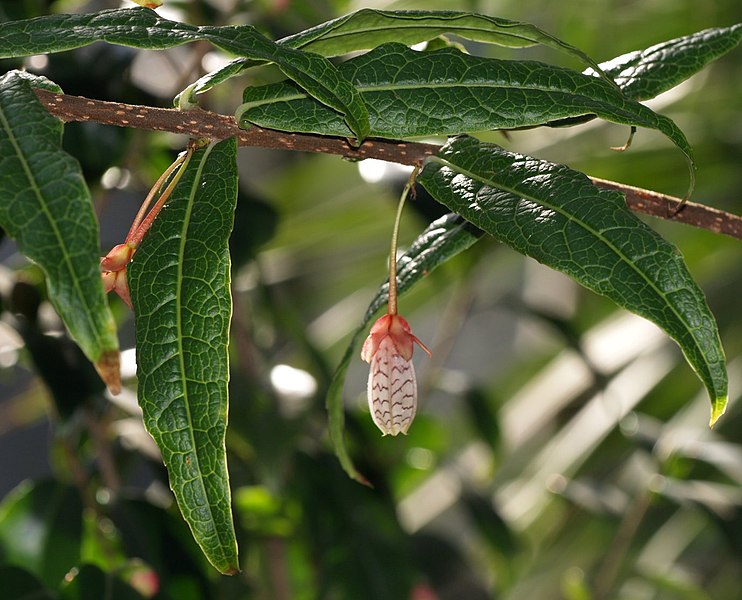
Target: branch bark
column 204, row 124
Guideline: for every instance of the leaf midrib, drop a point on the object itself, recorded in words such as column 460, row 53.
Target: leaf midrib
column 57, row 234
column 393, row 87
column 181, row 337
column 582, row 224
column 333, row 35
column 609, row 109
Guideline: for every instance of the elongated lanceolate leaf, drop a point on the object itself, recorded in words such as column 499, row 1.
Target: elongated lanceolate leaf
column 444, row 92
column 45, row 206
column 368, row 28
column 557, row 216
column 644, row 74
column 443, row 239
column 647, row 73
column 144, row 28
column 179, row 281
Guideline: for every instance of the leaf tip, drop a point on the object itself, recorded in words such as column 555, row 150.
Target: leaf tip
column 718, row 407
column 108, row 367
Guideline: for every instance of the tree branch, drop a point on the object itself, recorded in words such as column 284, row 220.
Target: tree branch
column 203, row 124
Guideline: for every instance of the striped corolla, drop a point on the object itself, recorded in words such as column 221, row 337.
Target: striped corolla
column 392, row 386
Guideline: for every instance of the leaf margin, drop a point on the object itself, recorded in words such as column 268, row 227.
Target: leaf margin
column 227, row 562
column 715, row 383
column 84, row 311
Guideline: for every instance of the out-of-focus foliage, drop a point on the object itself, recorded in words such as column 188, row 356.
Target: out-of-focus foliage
column 561, row 449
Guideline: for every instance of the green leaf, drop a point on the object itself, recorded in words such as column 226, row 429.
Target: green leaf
column 144, row 28
column 446, row 92
column 179, row 280
column 647, row 73
column 45, row 206
column 644, row 74
column 557, row 216
column 443, row 239
column 368, row 28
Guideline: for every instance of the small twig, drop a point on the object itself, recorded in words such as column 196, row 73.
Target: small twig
column 668, row 207
column 204, row 124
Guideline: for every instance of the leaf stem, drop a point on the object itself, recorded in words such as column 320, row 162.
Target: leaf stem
column 392, row 309
column 152, row 193
column 142, row 224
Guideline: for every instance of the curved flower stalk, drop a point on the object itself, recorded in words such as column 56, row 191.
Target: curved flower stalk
column 113, row 265
column 392, row 385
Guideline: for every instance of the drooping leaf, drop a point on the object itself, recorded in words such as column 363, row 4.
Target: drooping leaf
column 644, row 74
column 446, row 92
column 179, row 281
column 443, row 239
column 558, row 217
column 144, row 28
column 46, row 207
column 368, row 28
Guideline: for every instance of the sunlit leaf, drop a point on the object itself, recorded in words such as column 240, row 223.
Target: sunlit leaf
column 447, row 92
column 179, row 281
column 557, row 216
column 46, row 207
column 645, row 74
column 144, row 28
column 368, row 28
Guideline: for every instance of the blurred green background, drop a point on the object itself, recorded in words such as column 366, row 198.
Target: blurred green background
column 561, row 448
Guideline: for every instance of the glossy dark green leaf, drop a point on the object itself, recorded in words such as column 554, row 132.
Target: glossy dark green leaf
column 446, row 92
column 368, row 28
column 41, row 529
column 442, row 240
column 647, row 73
column 45, row 205
column 179, row 281
column 144, row 28
column 558, row 217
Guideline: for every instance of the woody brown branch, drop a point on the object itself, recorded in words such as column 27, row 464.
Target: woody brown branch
column 203, row 124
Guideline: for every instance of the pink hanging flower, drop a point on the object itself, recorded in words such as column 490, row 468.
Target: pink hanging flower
column 392, row 386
